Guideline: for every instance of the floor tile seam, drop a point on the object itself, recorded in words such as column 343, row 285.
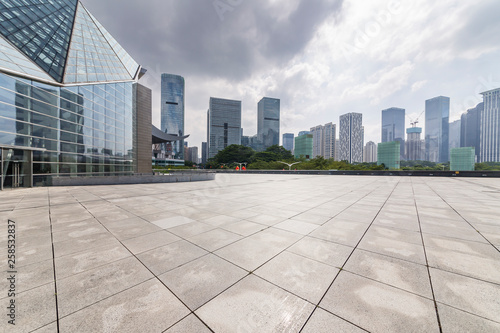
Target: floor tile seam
column 213, row 251
column 477, row 184
column 470, row 224
column 392, row 257
column 312, row 259
column 336, row 315
column 468, row 312
column 354, row 248
column 185, row 318
column 46, row 325
column 27, row 290
column 427, row 264
column 465, row 276
column 53, row 261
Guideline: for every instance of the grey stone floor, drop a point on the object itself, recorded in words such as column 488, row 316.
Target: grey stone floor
column 257, row 253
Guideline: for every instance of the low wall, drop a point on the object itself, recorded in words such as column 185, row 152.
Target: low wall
column 372, row 173
column 137, row 179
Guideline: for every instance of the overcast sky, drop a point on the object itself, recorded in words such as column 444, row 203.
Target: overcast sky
column 322, row 58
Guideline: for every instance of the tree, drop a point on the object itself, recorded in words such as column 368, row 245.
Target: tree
column 234, row 154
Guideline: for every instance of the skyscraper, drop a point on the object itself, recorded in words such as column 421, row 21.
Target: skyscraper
column 370, row 152
column 268, row 121
column 324, row 140
column 351, row 137
column 203, row 152
column 224, row 124
column 437, row 114
column 288, row 139
column 454, row 134
column 318, row 141
column 172, row 110
column 470, row 125
column 393, row 127
column 413, row 144
column 490, row 127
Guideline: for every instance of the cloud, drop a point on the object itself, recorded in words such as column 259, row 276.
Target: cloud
column 418, row 85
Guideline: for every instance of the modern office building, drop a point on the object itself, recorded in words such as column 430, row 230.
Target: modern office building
column 268, row 121
column 414, row 144
column 304, row 133
column 470, row 125
column 204, row 152
column 437, row 114
column 490, row 127
column 324, row 140
column 172, row 111
column 288, row 140
column 191, row 154
column 224, row 124
column 462, row 159
column 351, row 137
column 70, row 101
column 393, row 127
column 388, row 154
column 370, row 152
column 304, row 146
column 454, row 141
column 318, row 141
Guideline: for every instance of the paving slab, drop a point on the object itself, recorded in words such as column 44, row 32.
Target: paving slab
column 324, row 322
column 189, row 324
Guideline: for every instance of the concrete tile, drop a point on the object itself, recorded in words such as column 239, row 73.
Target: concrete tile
column 170, row 222
column 79, row 291
column 168, row 257
column 251, row 252
column 296, row 226
column 189, row 324
column 323, row 251
column 393, row 248
column 29, row 277
column 465, row 233
column 331, row 232
column 202, row 279
column 220, row 220
column 269, row 220
column 131, row 228
column 147, row 307
column 214, row 239
column 467, row 294
column 244, row 228
column 50, row 328
column 311, row 217
column 81, row 230
column 150, row 241
column 191, row 229
column 253, row 305
column 377, row 307
column 402, row 235
column 301, row 276
column 323, row 322
column 83, row 242
column 395, row 272
column 453, row 320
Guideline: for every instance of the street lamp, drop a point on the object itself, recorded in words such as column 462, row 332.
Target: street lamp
column 289, row 164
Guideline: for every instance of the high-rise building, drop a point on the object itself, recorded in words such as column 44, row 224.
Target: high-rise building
column 304, row 133
column 470, row 123
column 191, row 154
column 388, row 154
column 490, row 127
column 288, row 139
column 224, row 124
column 71, row 104
column 437, row 114
column 337, row 145
column 454, row 134
column 414, row 144
column 172, row 110
column 268, row 121
column 393, row 127
column 304, row 146
column 370, row 152
column 203, row 152
column 318, row 141
column 351, row 137
column 324, row 140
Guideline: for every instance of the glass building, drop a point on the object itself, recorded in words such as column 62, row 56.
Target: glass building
column 437, row 115
column 172, row 111
column 470, row 124
column 268, row 121
column 490, row 127
column 224, row 124
column 462, row 159
column 288, row 140
column 304, row 146
column 351, row 135
column 413, row 144
column 70, row 104
column 388, row 154
column 393, row 127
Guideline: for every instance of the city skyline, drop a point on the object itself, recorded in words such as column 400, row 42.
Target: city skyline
column 348, row 57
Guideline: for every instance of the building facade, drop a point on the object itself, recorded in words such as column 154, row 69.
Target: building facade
column 304, row 146
column 172, row 111
column 470, row 129
column 224, row 124
column 370, row 152
column 437, row 115
column 70, row 102
column 318, row 141
column 288, row 141
column 393, row 127
column 324, row 140
column 351, row 137
column 454, row 141
column 414, row 144
column 268, row 121
column 490, row 127
column 388, row 154
column 462, row 159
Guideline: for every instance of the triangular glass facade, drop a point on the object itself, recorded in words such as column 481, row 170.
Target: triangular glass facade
column 91, row 57
column 41, row 30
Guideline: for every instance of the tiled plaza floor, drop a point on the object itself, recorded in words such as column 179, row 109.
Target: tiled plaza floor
column 256, row 253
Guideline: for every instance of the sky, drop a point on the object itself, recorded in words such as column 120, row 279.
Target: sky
column 321, row 58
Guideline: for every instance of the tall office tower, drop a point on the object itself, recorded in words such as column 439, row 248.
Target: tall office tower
column 71, row 104
column 413, row 144
column 351, row 137
column 288, row 139
column 324, row 140
column 172, row 110
column 318, row 141
column 268, row 121
column 490, row 127
column 224, row 124
column 203, row 152
column 454, row 134
column 191, row 154
column 337, row 145
column 437, row 115
column 470, row 123
column 370, row 152
column 393, row 127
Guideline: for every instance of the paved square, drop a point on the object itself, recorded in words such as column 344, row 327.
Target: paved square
column 256, row 253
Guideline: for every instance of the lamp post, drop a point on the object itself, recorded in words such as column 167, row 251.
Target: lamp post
column 245, row 164
column 289, row 164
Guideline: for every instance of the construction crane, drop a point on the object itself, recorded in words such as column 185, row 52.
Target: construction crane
column 414, row 123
